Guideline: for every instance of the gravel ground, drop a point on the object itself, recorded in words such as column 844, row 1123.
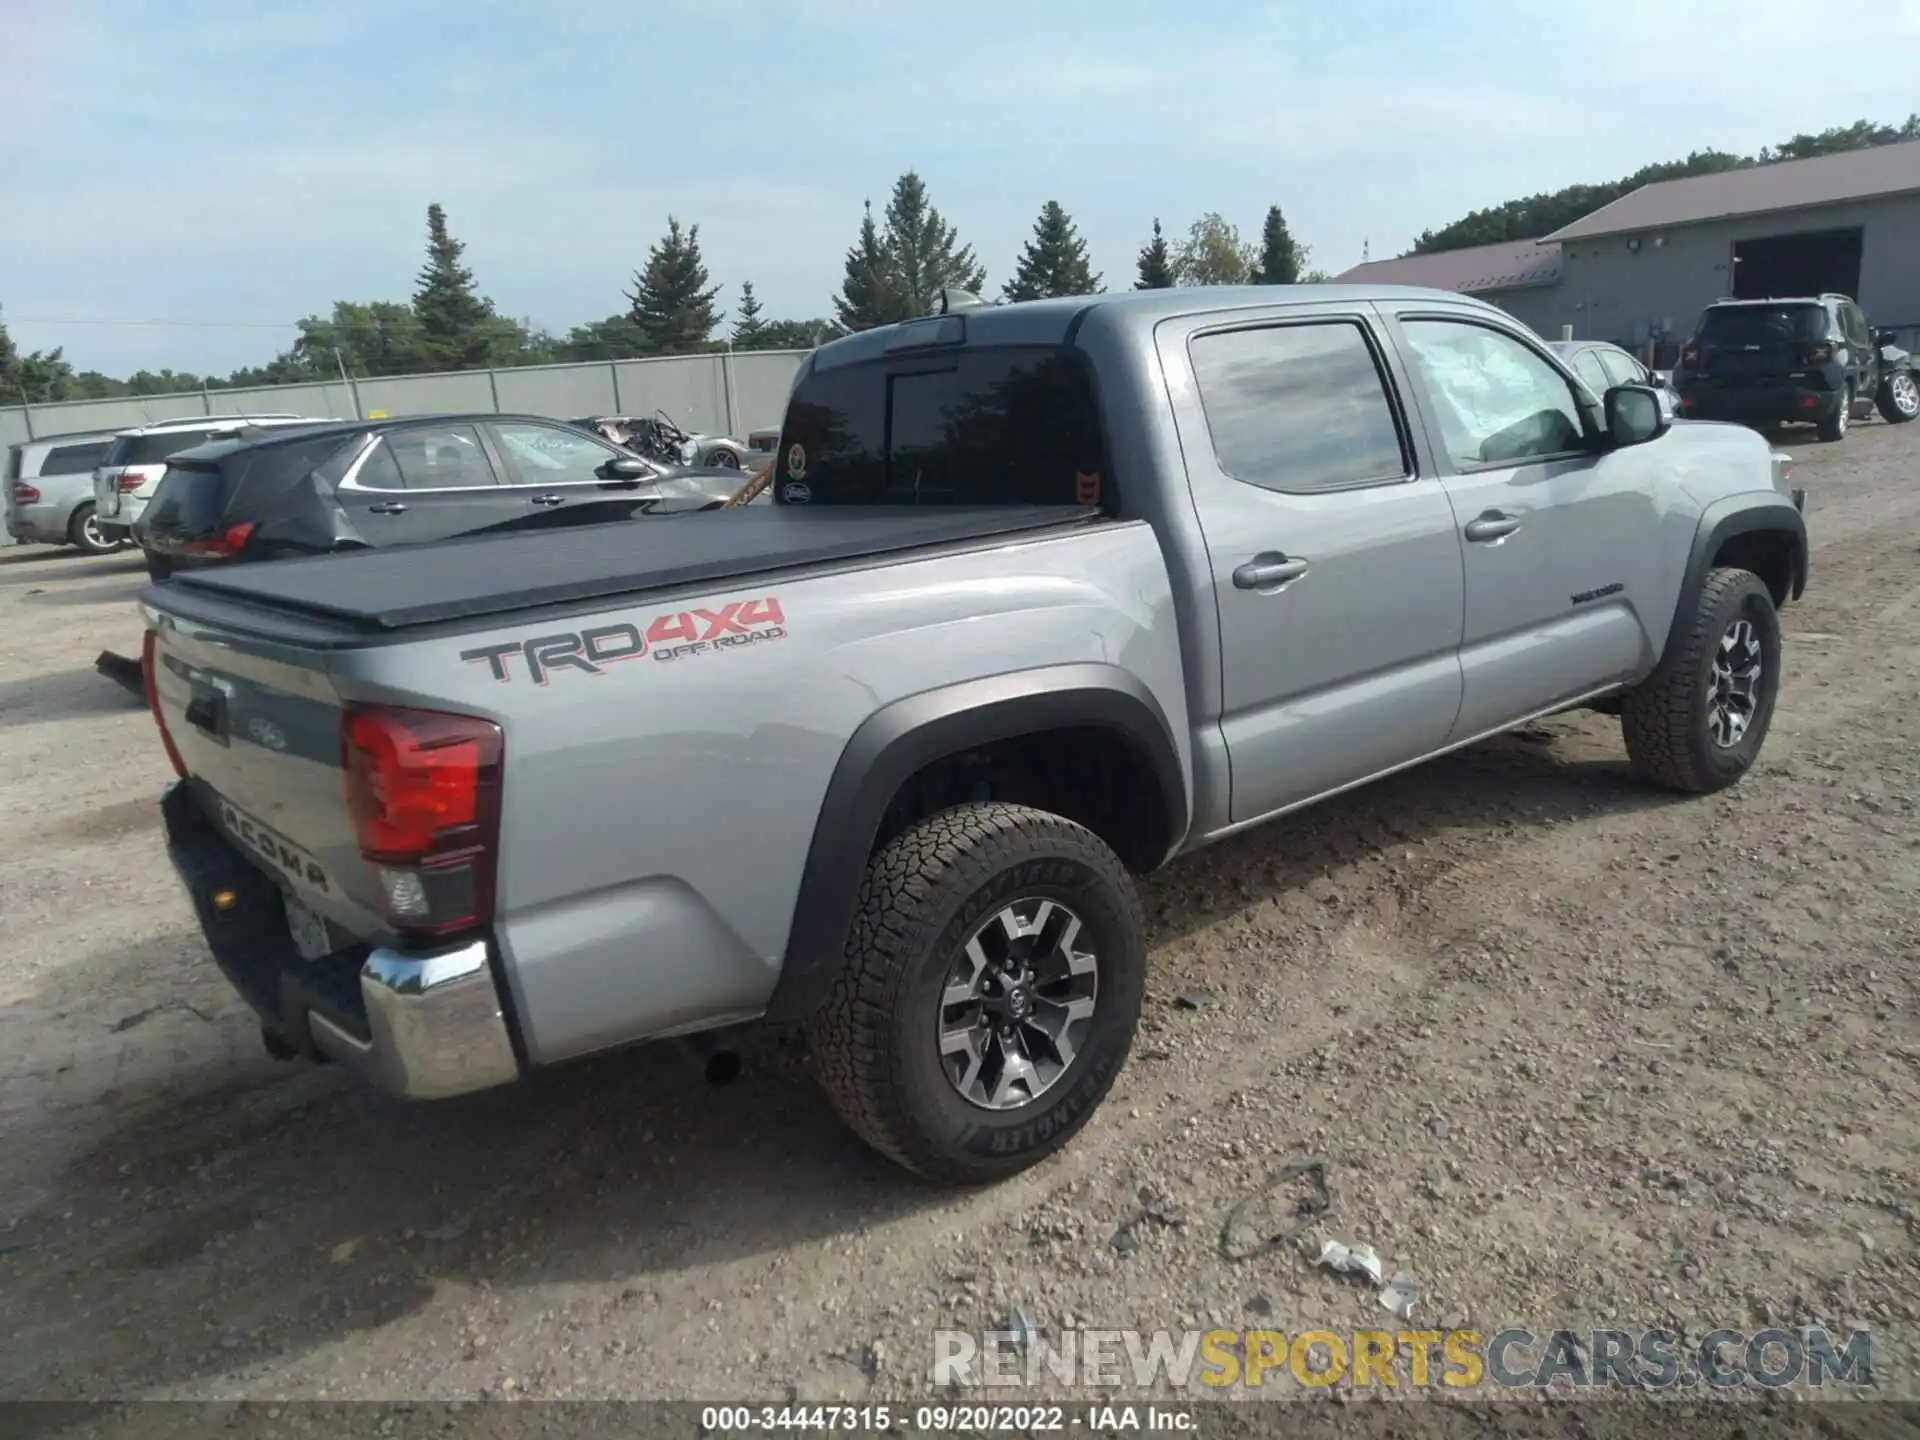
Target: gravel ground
column 1574, row 1052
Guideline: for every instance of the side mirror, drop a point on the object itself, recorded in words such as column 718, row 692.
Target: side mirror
column 626, row 467
column 1635, row 415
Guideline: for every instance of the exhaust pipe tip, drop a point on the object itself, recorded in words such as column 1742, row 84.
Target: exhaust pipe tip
column 723, row 1067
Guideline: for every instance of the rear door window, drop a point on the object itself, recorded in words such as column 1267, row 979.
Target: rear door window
column 1298, row 408
column 990, row 425
column 73, row 459
column 429, row 457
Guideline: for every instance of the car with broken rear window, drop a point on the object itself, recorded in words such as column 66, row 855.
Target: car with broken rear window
column 1047, row 596
column 271, row 495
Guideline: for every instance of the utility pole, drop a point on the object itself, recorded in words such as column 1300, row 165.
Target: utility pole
column 353, row 391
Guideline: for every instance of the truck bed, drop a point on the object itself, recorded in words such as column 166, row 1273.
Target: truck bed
column 407, row 586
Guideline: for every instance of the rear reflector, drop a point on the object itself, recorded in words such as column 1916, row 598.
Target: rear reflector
column 24, row 494
column 149, row 679
column 423, row 789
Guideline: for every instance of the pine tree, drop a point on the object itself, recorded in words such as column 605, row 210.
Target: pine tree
column 455, row 333
column 1155, row 263
column 749, row 330
column 1280, row 256
column 924, row 254
column 1054, row 261
column 671, row 302
column 863, row 301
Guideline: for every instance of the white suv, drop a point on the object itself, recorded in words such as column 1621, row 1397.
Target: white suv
column 134, row 463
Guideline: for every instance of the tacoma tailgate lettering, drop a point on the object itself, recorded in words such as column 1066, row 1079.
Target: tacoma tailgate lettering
column 697, row 631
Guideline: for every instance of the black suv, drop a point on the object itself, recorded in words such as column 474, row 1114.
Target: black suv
column 1811, row 360
column 310, row 490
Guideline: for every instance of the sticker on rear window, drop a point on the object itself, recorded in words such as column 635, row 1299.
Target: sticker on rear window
column 797, row 461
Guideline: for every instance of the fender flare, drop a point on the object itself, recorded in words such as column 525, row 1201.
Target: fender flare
column 1721, row 522
column 903, row 738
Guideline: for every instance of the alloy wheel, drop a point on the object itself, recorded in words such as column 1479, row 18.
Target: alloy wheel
column 1904, row 391
column 1017, row 1004
column 1733, row 698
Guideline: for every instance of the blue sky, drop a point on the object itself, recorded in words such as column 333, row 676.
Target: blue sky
column 240, row 164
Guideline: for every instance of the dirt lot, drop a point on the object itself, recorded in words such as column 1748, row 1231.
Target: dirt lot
column 1574, row 1052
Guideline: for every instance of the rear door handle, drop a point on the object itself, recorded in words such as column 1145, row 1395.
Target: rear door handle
column 549, row 499
column 1267, row 570
column 387, row 507
column 1490, row 527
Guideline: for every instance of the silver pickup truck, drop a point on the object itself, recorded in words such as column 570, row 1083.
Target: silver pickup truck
column 1049, row 593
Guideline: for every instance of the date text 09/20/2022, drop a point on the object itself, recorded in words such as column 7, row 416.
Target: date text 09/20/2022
column 963, row 1418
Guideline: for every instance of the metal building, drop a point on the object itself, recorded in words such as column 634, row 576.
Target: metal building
column 1639, row 271
column 1520, row 276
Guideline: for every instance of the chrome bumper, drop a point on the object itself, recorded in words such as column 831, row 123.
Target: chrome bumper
column 435, row 1024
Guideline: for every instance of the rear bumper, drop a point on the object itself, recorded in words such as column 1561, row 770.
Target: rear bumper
column 42, row 522
column 1758, row 402
column 420, row 1026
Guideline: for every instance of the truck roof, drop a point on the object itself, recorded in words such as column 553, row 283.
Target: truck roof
column 1051, row 322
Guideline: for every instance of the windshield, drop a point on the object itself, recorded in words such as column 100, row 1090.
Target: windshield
column 1763, row 324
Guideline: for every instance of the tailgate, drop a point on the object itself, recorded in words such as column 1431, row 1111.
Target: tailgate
column 257, row 728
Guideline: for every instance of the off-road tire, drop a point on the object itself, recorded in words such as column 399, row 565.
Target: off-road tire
column 874, row 1044
column 1664, row 718
column 1897, row 409
column 81, row 536
column 1834, row 427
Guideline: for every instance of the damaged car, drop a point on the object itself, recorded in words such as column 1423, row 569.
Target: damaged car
column 263, row 495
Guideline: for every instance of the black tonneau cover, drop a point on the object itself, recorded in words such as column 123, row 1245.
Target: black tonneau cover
column 405, row 586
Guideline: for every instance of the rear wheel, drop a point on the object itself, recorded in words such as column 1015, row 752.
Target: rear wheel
column 1899, row 398
column 84, row 533
column 726, row 459
column 992, row 984
column 1834, row 426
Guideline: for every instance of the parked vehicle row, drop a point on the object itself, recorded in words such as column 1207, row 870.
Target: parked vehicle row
column 1047, row 595
column 49, row 491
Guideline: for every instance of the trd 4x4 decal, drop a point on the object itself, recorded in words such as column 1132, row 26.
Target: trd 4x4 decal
column 673, row 635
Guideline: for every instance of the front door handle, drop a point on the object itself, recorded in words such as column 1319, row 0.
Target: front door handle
column 549, row 499
column 1267, row 570
column 387, row 507
column 1490, row 527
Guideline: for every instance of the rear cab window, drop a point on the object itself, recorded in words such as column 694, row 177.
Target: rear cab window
column 981, row 425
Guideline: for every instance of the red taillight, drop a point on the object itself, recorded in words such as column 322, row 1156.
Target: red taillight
column 423, row 789
column 1691, row 355
column 25, row 494
column 230, row 541
column 149, row 678
column 127, row 480
column 1819, row 354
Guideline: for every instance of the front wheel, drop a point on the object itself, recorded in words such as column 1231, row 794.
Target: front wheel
column 992, row 983
column 1697, row 723
column 726, row 459
column 1899, row 398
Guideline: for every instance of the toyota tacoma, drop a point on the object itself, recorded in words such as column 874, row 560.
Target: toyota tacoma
column 1047, row 595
